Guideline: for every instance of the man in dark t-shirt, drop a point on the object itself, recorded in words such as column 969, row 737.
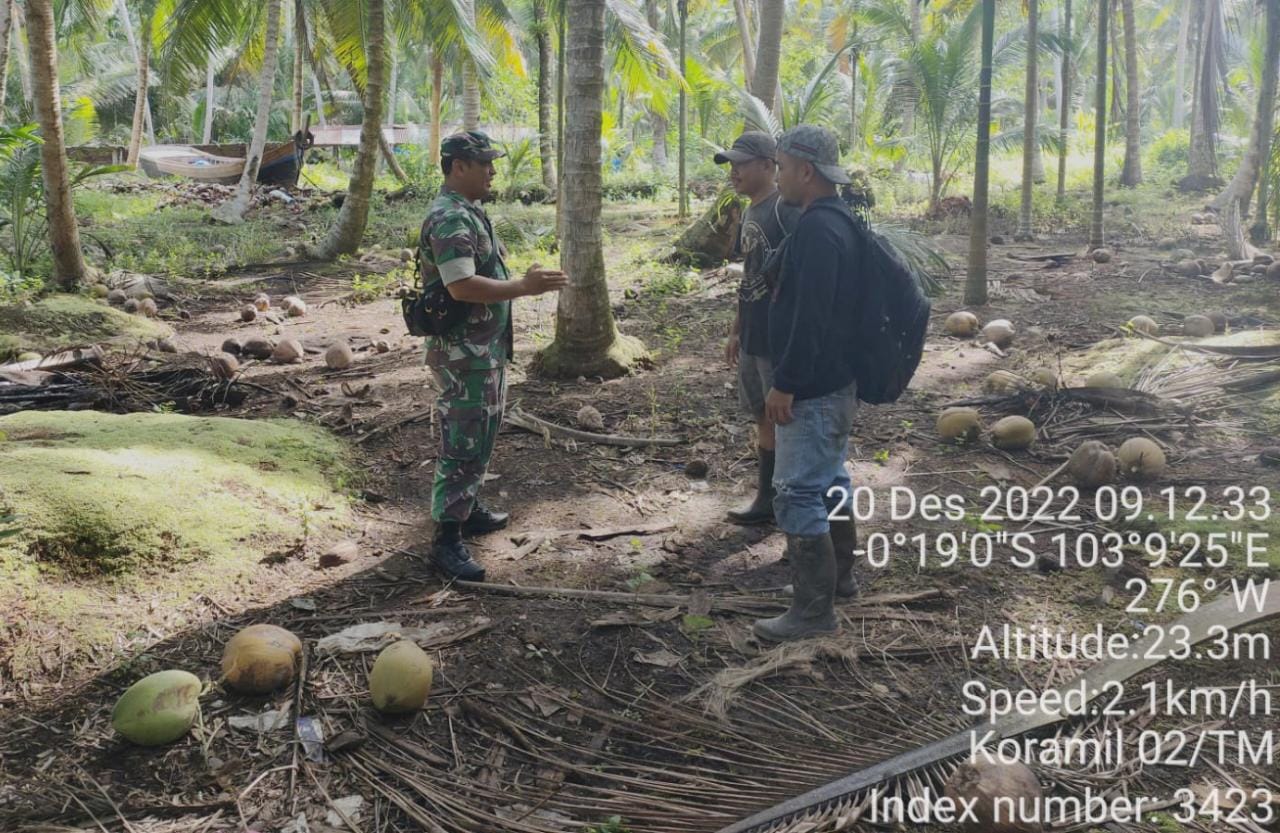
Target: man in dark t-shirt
column 753, row 171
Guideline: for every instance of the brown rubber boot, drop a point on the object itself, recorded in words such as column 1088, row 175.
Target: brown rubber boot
column 812, row 612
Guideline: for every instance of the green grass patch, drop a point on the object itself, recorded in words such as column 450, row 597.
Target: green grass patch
column 158, row 504
column 62, row 320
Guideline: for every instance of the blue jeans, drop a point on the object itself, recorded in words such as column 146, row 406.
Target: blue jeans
column 810, row 461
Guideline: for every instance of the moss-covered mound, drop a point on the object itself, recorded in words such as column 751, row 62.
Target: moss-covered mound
column 149, row 506
column 63, row 320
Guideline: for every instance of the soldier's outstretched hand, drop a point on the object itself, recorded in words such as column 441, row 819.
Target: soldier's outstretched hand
column 539, row 280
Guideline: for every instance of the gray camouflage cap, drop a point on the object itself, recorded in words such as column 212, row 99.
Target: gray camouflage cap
column 470, row 144
column 817, row 145
column 754, row 144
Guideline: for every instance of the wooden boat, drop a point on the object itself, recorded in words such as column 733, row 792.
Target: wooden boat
column 223, row 164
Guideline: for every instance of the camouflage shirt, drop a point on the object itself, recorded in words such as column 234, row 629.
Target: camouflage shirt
column 457, row 242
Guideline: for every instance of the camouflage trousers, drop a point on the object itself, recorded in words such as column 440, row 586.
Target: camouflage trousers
column 470, row 410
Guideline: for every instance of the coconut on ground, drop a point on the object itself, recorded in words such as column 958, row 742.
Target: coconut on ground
column 58, row 321
column 161, row 506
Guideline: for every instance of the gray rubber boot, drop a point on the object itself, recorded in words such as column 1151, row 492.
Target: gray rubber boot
column 760, row 510
column 844, row 539
column 812, row 613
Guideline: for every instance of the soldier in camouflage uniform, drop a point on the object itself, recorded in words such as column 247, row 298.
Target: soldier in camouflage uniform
column 459, row 248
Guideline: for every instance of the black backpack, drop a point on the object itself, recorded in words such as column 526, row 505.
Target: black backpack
column 893, row 315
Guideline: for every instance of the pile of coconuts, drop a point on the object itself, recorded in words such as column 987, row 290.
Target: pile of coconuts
column 1093, row 464
column 964, row 425
column 965, row 324
column 260, row 659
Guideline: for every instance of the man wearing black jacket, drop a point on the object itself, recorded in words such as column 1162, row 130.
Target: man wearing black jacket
column 814, row 394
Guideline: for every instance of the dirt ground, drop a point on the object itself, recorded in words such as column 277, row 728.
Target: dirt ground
column 555, row 713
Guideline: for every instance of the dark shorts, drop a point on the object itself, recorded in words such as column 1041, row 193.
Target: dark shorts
column 755, row 378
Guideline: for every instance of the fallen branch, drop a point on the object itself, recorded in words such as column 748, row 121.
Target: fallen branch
column 740, row 604
column 531, row 423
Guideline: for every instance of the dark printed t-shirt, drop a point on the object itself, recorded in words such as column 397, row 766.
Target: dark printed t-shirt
column 764, row 225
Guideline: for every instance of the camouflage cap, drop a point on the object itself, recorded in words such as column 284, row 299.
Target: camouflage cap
column 470, row 144
column 754, row 144
column 818, row 145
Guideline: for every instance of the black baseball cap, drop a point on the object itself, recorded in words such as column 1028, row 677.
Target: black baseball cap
column 754, row 144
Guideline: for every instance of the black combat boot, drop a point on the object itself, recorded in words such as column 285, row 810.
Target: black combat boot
column 812, row 613
column 451, row 557
column 760, row 510
column 483, row 519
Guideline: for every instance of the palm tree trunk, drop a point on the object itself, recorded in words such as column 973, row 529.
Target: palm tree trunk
column 1203, row 165
column 681, row 181
column 24, row 58
column 316, row 93
column 562, row 44
column 1064, row 103
column 975, row 286
column 143, row 59
column 1260, row 231
column 853, row 98
column 909, row 101
column 1100, row 131
column 389, row 156
column 6, row 29
column 299, row 58
column 587, row 342
column 546, row 145
column 207, row 135
column 1030, row 107
column 234, row 210
column 744, row 32
column 437, row 92
column 657, row 120
column 470, row 82
column 348, row 229
column 764, row 81
column 1258, row 151
column 64, row 233
column 319, row 77
column 1131, row 173
column 393, row 96
column 1179, row 115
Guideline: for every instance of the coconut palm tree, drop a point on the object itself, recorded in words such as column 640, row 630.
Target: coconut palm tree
column 6, row 27
column 141, row 48
column 1100, row 127
column 1030, row 107
column 1064, row 99
column 1258, row 151
column 975, row 287
column 1210, row 79
column 64, row 232
column 1131, row 173
column 368, row 31
column 546, row 142
column 764, row 82
column 587, row 342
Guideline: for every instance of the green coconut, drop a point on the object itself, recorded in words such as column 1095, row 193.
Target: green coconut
column 1141, row 459
column 959, row 425
column 1013, row 433
column 158, row 709
column 401, row 678
column 99, row 290
column 962, row 324
column 1144, row 324
column 1103, row 379
column 1092, row 465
